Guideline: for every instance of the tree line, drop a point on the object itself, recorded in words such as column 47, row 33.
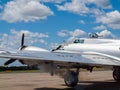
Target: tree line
column 17, row 68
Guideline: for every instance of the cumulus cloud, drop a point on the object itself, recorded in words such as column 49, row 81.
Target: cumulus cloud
column 62, row 33
column 75, row 33
column 28, row 33
column 101, row 27
column 105, row 4
column 52, row 1
column 76, row 6
column 97, row 12
column 71, row 35
column 12, row 41
column 82, row 6
column 25, row 10
column 111, row 19
column 106, row 34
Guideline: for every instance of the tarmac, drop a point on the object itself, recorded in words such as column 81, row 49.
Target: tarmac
column 97, row 80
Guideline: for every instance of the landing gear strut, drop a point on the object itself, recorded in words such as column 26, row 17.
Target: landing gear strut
column 116, row 74
column 71, row 78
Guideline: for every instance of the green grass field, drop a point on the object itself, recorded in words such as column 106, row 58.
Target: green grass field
column 22, row 71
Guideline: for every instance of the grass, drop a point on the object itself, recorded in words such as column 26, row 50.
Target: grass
column 41, row 71
column 22, row 71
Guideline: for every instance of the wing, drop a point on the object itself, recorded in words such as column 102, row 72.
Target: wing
column 63, row 57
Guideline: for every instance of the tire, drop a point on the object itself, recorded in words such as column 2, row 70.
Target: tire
column 71, row 79
column 116, row 75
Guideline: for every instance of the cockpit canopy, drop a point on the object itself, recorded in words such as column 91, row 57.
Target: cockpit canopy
column 79, row 41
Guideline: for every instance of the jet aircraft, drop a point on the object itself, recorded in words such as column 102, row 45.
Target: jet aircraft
column 84, row 53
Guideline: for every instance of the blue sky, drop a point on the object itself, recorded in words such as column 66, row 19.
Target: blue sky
column 48, row 23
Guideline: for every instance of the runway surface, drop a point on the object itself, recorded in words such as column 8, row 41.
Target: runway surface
column 98, row 80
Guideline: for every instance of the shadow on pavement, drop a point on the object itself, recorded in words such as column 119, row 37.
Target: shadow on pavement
column 44, row 88
column 89, row 85
column 102, row 85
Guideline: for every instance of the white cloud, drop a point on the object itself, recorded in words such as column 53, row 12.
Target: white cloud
column 62, row 33
column 82, row 6
column 12, row 41
column 101, row 27
column 77, row 33
column 52, row 1
column 43, row 42
column 25, row 10
column 106, row 34
column 54, row 45
column 74, row 33
column 76, row 6
column 105, row 4
column 97, row 12
column 82, row 22
column 111, row 19
column 29, row 34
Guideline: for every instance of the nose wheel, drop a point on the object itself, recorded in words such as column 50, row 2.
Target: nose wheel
column 71, row 78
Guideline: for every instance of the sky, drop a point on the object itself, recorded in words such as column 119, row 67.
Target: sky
column 47, row 23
